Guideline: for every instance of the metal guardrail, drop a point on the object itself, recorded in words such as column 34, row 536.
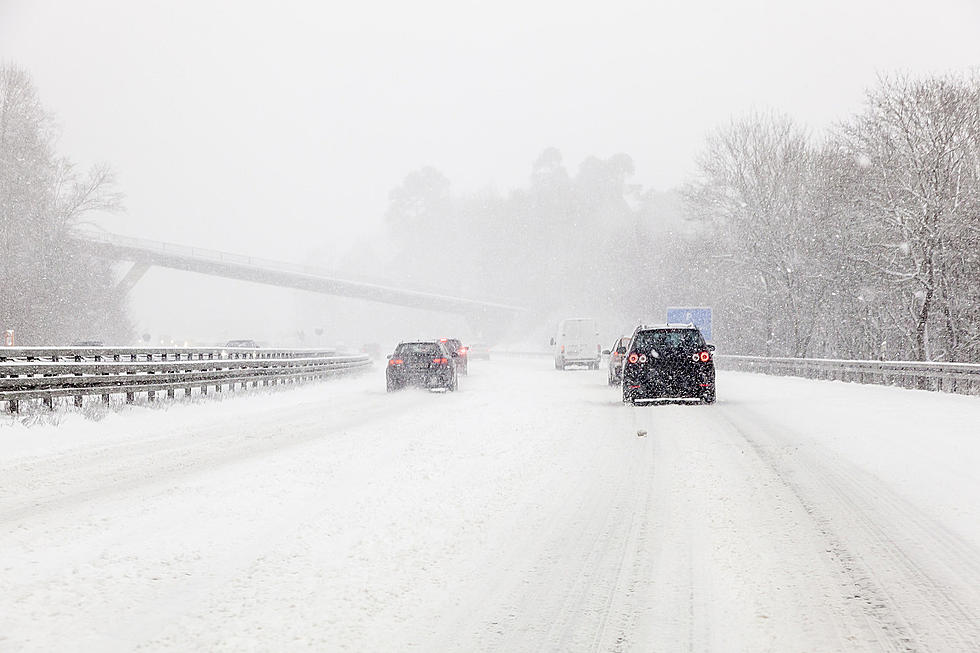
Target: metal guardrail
column 45, row 373
column 961, row 378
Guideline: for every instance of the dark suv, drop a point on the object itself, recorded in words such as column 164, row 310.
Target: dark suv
column 669, row 362
column 427, row 364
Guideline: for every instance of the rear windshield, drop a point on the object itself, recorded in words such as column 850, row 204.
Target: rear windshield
column 668, row 339
column 418, row 348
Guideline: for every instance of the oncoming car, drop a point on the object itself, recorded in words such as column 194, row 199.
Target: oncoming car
column 426, row 364
column 669, row 362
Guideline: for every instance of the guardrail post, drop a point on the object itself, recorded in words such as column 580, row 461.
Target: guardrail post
column 105, row 399
column 170, row 393
column 130, row 397
column 187, row 392
column 78, row 401
column 12, row 406
column 151, row 395
column 48, row 403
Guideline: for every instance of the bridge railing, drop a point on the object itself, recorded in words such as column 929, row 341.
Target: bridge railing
column 961, row 378
column 217, row 256
column 46, row 373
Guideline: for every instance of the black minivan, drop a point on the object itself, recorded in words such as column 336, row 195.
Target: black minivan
column 669, row 362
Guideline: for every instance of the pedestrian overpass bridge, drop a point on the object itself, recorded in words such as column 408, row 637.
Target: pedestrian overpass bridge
column 145, row 254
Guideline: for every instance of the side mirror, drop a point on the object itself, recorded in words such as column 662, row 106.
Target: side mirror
column 621, row 350
column 606, row 352
column 711, row 347
column 389, row 356
column 552, row 342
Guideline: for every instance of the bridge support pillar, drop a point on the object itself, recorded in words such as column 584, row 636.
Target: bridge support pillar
column 132, row 277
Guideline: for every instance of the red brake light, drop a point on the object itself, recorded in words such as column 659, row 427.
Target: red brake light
column 563, row 349
column 705, row 357
column 440, row 361
column 443, row 339
column 633, row 357
column 395, row 361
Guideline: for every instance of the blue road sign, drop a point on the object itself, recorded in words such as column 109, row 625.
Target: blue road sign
column 699, row 316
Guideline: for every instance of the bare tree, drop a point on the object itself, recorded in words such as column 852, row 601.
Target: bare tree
column 755, row 185
column 53, row 291
column 916, row 188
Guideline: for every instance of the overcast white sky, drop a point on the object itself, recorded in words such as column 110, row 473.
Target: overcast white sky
column 278, row 127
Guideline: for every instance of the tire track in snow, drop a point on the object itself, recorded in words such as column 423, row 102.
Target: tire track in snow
column 889, row 554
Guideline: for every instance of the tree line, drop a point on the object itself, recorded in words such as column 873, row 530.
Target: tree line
column 863, row 242
column 51, row 290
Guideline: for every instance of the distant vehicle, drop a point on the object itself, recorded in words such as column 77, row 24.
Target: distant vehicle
column 455, row 346
column 577, row 343
column 671, row 361
column 617, row 354
column 426, row 364
column 479, row 350
column 250, row 344
column 88, row 343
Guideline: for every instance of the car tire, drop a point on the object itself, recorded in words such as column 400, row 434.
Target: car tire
column 391, row 387
column 708, row 398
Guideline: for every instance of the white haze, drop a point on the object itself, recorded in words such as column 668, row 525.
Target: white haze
column 277, row 128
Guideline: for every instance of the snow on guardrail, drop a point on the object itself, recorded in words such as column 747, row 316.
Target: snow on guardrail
column 45, row 373
column 961, row 378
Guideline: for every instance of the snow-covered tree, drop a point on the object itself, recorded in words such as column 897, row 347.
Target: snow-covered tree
column 52, row 290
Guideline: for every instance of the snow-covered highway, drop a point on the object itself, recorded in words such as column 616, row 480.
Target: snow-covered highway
column 523, row 513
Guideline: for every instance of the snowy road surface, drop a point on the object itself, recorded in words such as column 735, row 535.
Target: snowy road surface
column 523, row 513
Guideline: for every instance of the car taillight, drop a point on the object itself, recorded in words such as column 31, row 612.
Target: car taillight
column 563, row 349
column 598, row 348
column 704, row 357
column 463, row 350
column 440, row 361
column 633, row 358
column 395, row 361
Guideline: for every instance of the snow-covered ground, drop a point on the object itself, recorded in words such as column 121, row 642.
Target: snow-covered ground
column 523, row 513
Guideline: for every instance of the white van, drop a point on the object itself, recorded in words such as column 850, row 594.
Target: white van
column 577, row 343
